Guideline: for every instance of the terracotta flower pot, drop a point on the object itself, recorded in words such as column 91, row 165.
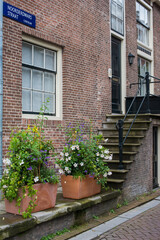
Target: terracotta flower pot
column 46, row 198
column 77, row 188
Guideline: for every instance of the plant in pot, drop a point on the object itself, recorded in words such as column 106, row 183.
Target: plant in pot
column 29, row 183
column 82, row 167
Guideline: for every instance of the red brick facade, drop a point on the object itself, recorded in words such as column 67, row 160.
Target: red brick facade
column 82, row 30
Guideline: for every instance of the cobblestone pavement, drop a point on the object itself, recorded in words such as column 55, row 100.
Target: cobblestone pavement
column 145, row 226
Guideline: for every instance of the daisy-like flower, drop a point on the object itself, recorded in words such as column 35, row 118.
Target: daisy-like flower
column 75, row 164
column 106, row 151
column 73, row 147
column 100, row 146
column 6, row 161
column 21, row 163
column 69, row 171
column 4, row 186
column 66, row 154
column 36, row 179
column 105, row 175
column 106, row 140
column 69, row 158
column 77, row 147
column 102, row 156
column 61, row 171
column 110, row 157
column 81, row 163
column 6, row 171
column 66, row 159
column 109, row 173
column 66, row 168
column 97, row 154
column 62, row 154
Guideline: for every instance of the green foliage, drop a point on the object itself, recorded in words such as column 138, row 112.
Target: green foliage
column 125, row 203
column 52, row 235
column 95, row 217
column 27, row 164
column 118, row 205
column 112, row 211
column 83, row 155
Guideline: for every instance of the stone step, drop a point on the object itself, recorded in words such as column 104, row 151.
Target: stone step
column 65, row 214
column 130, row 139
column 137, row 124
column 129, row 117
column 126, row 147
column 114, row 132
column 117, row 181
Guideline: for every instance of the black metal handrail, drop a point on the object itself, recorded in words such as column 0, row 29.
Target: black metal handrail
column 120, row 123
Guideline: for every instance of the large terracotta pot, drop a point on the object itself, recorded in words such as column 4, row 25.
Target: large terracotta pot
column 46, row 198
column 77, row 188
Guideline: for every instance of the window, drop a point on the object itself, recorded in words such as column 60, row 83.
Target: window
column 143, row 67
column 143, row 23
column 117, row 16
column 39, row 69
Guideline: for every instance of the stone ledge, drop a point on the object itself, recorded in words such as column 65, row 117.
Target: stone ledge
column 12, row 225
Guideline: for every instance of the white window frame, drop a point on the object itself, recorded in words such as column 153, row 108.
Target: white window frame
column 58, row 105
column 117, row 18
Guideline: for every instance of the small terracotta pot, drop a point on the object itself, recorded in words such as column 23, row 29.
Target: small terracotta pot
column 77, row 188
column 46, row 198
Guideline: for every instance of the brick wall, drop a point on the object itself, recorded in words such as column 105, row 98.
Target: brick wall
column 82, row 29
column 156, row 42
column 131, row 45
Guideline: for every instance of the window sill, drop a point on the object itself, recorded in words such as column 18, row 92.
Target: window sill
column 144, row 45
column 35, row 116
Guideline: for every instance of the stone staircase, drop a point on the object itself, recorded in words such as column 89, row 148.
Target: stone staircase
column 130, row 148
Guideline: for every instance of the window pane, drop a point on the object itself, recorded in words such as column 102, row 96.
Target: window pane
column 38, row 57
column 37, row 78
column 26, row 78
column 114, row 8
column 49, row 82
column 113, row 23
column 26, row 53
column 51, row 104
column 37, row 101
column 26, row 100
column 50, row 60
column 120, row 12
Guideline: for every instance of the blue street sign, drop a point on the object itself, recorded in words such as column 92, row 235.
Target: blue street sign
column 19, row 15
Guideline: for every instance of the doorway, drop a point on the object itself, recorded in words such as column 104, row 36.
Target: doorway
column 155, row 157
column 116, row 75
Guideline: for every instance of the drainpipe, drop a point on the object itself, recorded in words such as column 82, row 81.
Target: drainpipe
column 1, row 83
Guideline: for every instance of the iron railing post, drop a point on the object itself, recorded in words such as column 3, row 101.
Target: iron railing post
column 120, row 128
column 147, row 91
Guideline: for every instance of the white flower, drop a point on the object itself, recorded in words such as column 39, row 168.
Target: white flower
column 73, row 147
column 106, row 151
column 110, row 157
column 105, row 175
column 66, row 154
column 69, row 171
column 81, row 163
column 109, row 173
column 36, row 179
column 4, row 186
column 62, row 154
column 75, row 164
column 66, row 159
column 100, row 147
column 106, row 140
column 97, row 154
column 6, row 171
column 97, row 159
column 22, row 162
column 56, row 166
column 77, row 147
column 66, row 168
column 69, row 158
column 61, row 171
column 102, row 156
column 6, row 161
